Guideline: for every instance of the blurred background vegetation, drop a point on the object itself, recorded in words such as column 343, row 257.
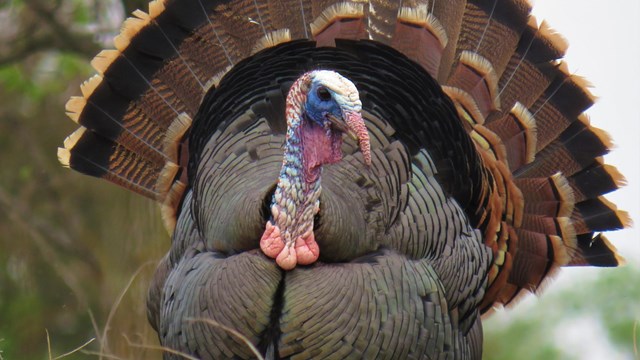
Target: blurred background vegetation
column 76, row 254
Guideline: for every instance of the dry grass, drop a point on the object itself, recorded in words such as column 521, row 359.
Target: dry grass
column 635, row 340
column 160, row 348
column 233, row 332
column 103, row 340
column 102, row 334
column 68, row 353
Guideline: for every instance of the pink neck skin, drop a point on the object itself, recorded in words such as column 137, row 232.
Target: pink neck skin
column 319, row 146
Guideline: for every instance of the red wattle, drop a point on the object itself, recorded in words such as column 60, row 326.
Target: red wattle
column 319, row 147
column 271, row 242
column 307, row 249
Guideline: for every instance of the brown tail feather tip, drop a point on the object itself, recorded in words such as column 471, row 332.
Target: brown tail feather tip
column 333, row 13
column 272, row 39
column 169, row 207
column 528, row 122
column 555, row 39
column 561, row 250
column 579, row 81
column 567, row 232
column 130, row 28
column 602, row 135
column 64, row 154
column 64, row 157
column 156, row 7
column 215, row 80
column 615, row 174
column 565, row 193
column 133, row 25
column 485, row 69
column 421, row 16
column 74, row 107
column 623, row 216
column 89, row 86
column 621, row 260
column 76, row 104
column 565, row 243
column 174, row 135
column 465, row 104
column 104, row 59
column 166, row 178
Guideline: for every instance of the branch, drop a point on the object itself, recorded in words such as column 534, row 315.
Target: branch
column 55, row 37
column 26, row 48
column 67, row 41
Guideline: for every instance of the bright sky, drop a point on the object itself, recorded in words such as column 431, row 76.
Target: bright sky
column 604, row 38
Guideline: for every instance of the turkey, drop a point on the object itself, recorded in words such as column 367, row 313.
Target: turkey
column 347, row 180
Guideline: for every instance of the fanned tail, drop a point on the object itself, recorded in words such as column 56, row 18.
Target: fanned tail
column 541, row 205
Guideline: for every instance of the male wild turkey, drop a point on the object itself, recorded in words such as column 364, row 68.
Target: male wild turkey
column 468, row 176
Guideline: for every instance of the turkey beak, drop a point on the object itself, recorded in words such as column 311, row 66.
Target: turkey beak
column 339, row 125
column 358, row 131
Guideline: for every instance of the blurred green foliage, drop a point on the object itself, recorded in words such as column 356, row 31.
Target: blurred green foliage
column 611, row 299
column 69, row 244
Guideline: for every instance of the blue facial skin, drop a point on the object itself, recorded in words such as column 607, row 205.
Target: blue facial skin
column 316, row 108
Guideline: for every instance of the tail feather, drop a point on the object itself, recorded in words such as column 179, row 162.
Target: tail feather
column 573, row 150
column 491, row 29
column 599, row 215
column 450, row 14
column 420, row 36
column 538, row 256
column 518, row 131
column 317, row 7
column 531, row 68
column 594, row 180
column 382, row 16
column 290, row 14
column 91, row 154
column 231, row 25
column 209, row 51
column 476, row 76
column 342, row 20
column 551, row 197
column 562, row 103
column 595, row 251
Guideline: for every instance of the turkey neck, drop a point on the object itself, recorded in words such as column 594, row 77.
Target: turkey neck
column 296, row 199
column 308, row 146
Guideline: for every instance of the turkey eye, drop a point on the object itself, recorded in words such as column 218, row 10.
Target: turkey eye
column 323, row 94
